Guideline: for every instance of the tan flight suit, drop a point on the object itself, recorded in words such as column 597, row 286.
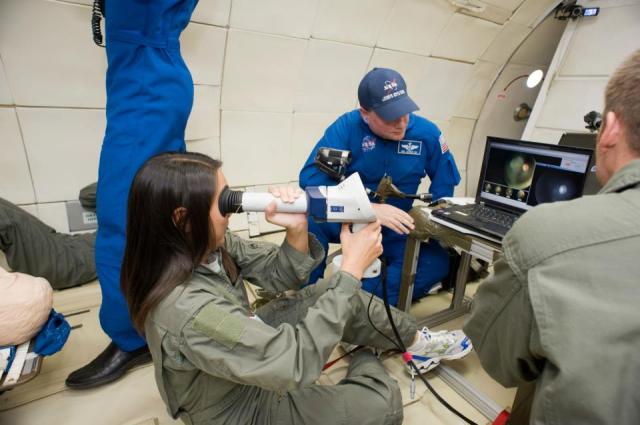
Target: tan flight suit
column 216, row 363
column 562, row 310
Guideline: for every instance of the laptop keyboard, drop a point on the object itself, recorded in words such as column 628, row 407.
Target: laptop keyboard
column 492, row 215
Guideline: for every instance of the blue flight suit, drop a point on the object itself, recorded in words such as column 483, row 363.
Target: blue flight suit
column 422, row 152
column 149, row 98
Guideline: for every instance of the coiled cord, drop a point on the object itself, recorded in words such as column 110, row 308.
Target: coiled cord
column 97, row 13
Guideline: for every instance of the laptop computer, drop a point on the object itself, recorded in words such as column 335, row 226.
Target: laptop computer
column 584, row 140
column 515, row 177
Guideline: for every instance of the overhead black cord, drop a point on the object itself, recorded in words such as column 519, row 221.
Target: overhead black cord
column 400, row 344
column 97, row 13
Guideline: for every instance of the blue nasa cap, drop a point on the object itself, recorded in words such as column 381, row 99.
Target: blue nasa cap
column 384, row 91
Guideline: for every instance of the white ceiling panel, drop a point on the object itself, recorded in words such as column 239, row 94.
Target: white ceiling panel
column 255, row 147
column 202, row 47
column 441, row 88
column 5, row 93
column 46, row 66
column 204, row 120
column 259, row 71
column 608, row 3
column 491, row 13
column 308, row 129
column 569, row 100
column 212, row 12
column 353, row 21
column 505, row 4
column 465, row 38
column 15, row 180
column 533, row 11
column 330, row 76
column 540, row 45
column 476, row 89
column 589, row 54
column 286, row 17
column 414, row 25
column 507, row 41
column 63, row 147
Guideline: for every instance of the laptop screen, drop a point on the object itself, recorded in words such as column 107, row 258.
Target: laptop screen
column 520, row 175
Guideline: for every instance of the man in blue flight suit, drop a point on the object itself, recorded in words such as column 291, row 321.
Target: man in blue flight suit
column 149, row 98
column 386, row 138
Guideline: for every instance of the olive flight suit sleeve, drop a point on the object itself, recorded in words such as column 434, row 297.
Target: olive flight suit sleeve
column 272, row 267
column 502, row 328
column 222, row 341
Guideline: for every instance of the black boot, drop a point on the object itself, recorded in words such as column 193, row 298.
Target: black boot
column 110, row 365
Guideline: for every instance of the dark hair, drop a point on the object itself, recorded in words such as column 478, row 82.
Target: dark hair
column 164, row 247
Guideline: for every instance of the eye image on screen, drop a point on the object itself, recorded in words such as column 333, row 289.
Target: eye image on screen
column 509, row 174
column 552, row 184
column 518, row 171
column 530, row 178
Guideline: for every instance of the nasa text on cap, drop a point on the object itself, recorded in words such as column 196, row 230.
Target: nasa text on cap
column 384, row 91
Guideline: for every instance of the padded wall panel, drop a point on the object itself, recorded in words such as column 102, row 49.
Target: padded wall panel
column 330, row 76
column 63, row 147
column 353, row 21
column 49, row 56
column 255, row 147
column 286, row 17
column 15, row 179
column 203, row 48
column 260, row 71
column 204, row 120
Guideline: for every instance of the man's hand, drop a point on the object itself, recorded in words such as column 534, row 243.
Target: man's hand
column 394, row 218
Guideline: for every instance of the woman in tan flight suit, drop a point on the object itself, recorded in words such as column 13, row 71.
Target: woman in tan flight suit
column 215, row 360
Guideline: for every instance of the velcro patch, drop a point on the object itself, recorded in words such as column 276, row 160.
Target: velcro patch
column 410, row 147
column 219, row 325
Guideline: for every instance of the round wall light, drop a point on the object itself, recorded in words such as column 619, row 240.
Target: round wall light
column 534, row 78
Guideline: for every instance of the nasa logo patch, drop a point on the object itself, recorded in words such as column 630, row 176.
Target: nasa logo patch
column 409, row 147
column 368, row 143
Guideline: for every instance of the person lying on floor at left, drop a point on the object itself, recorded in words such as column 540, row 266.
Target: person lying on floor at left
column 33, row 248
column 217, row 361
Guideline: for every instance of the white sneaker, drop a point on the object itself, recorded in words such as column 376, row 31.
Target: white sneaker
column 441, row 345
column 435, row 289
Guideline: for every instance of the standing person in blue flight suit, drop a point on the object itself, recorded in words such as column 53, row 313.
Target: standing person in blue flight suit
column 386, row 138
column 149, row 98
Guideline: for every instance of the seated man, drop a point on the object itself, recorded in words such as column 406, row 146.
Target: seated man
column 559, row 318
column 34, row 248
column 386, row 139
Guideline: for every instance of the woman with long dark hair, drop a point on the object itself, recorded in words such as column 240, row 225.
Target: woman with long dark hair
column 216, row 361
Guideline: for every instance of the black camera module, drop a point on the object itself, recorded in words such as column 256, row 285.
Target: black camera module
column 571, row 10
column 593, row 120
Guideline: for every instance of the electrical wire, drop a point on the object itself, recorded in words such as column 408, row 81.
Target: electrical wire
column 399, row 344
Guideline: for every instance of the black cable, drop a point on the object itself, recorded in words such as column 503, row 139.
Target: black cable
column 400, row 343
column 97, row 13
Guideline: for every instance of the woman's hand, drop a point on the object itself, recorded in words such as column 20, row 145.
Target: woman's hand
column 360, row 249
column 394, row 218
column 295, row 223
